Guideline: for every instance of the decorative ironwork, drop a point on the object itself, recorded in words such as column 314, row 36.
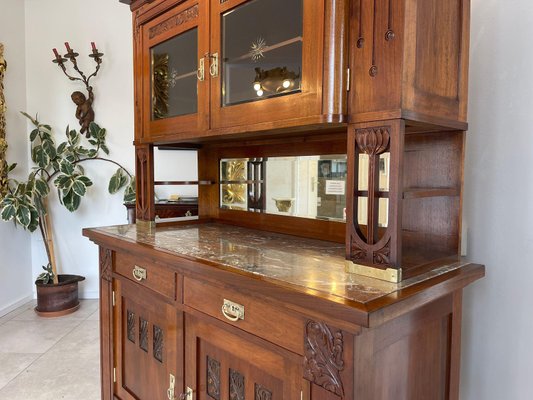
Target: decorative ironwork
column 158, row 343
column 131, row 326
column 213, row 378
column 323, row 359
column 174, row 21
column 143, row 334
column 84, row 105
column 262, row 393
column 236, row 385
column 106, row 262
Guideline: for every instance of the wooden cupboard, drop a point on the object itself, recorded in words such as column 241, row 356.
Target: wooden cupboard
column 250, row 303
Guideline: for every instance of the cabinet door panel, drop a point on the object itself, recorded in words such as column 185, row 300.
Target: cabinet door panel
column 150, row 332
column 174, row 92
column 222, row 365
column 270, row 61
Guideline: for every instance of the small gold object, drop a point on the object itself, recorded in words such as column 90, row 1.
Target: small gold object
column 139, row 273
column 389, row 274
column 147, row 226
column 232, row 311
column 171, row 388
column 284, row 205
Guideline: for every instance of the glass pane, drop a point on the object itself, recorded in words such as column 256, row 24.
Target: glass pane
column 362, row 174
column 362, row 215
column 384, row 172
column 262, row 50
column 383, row 217
column 174, row 64
column 233, row 193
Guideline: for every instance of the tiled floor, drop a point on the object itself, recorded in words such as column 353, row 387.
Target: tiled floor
column 50, row 358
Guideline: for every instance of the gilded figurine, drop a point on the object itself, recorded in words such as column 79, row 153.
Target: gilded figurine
column 84, row 110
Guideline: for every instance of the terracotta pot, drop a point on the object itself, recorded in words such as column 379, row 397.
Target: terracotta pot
column 59, row 299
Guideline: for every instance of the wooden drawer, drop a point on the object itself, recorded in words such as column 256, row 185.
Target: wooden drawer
column 260, row 318
column 152, row 276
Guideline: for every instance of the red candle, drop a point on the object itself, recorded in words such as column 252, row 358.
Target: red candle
column 93, row 46
column 68, row 47
column 55, row 53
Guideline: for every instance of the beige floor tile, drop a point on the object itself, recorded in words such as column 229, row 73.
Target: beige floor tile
column 84, row 339
column 95, row 316
column 22, row 309
column 66, row 375
column 33, row 336
column 12, row 364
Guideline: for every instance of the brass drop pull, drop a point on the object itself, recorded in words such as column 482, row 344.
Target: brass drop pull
column 139, row 273
column 213, row 68
column 170, row 390
column 200, row 73
column 187, row 395
column 232, row 311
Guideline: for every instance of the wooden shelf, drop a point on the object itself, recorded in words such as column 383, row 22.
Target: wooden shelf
column 418, row 193
column 179, row 183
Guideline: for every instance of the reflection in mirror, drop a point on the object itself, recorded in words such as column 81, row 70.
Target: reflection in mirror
column 174, row 82
column 384, row 172
column 363, row 172
column 262, row 50
column 307, row 186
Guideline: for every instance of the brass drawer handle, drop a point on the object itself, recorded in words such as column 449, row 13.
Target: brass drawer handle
column 200, row 73
column 139, row 273
column 232, row 311
column 213, row 68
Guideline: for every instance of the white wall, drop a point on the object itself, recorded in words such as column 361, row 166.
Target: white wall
column 108, row 23
column 15, row 255
column 498, row 316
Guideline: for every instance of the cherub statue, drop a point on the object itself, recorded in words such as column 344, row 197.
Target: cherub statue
column 84, row 109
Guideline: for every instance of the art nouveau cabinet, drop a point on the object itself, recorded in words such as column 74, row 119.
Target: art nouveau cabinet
column 325, row 263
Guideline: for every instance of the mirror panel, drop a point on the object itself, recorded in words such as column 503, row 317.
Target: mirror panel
column 307, row 186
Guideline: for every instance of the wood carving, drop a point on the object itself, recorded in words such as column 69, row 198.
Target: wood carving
column 143, row 184
column 213, row 378
column 131, row 326
column 143, row 334
column 373, row 141
column 158, row 343
column 357, row 253
column 381, row 256
column 323, row 359
column 106, row 261
column 236, row 385
column 174, row 21
column 262, row 393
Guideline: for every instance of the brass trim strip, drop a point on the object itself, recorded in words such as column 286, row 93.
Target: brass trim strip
column 389, row 274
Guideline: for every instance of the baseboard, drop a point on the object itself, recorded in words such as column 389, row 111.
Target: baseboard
column 15, row 305
column 89, row 295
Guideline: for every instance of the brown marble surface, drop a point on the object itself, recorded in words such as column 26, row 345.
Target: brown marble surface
column 299, row 262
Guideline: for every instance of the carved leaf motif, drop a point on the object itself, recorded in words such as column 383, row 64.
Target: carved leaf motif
column 176, row 20
column 158, row 343
column 356, row 252
column 373, row 141
column 213, row 378
column 143, row 334
column 131, row 326
column 381, row 256
column 236, row 385
column 106, row 258
column 262, row 393
column 324, row 357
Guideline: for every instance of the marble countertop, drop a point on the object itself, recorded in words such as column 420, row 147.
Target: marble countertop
column 299, row 262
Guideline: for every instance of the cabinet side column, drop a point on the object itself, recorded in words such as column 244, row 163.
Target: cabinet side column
column 455, row 345
column 106, row 323
column 144, row 172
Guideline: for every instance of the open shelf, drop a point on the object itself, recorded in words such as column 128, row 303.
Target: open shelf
column 178, row 183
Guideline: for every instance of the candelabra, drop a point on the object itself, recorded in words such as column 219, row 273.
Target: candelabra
column 84, row 109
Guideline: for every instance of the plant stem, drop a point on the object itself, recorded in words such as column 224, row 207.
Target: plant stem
column 50, row 177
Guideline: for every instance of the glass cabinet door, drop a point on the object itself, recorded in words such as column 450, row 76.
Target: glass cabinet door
column 263, row 52
column 175, row 88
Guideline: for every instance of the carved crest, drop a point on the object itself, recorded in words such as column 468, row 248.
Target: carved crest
column 323, row 360
column 373, row 141
column 382, row 256
column 106, row 260
column 172, row 22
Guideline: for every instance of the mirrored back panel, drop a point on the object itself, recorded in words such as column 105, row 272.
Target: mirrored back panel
column 304, row 186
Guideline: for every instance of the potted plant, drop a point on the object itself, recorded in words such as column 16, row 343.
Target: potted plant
column 26, row 203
